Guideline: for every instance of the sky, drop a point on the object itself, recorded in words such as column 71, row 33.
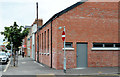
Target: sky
column 24, row 11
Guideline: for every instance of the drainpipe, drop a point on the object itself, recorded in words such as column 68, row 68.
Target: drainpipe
column 51, row 44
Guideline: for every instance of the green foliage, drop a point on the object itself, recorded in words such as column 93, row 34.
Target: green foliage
column 14, row 34
column 4, row 50
column 8, row 46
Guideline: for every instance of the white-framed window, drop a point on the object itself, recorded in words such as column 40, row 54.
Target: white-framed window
column 68, row 45
column 48, row 40
column 106, row 46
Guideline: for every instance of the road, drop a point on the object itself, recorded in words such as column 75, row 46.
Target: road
column 2, row 67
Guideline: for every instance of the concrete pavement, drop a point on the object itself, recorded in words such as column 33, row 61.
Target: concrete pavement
column 26, row 66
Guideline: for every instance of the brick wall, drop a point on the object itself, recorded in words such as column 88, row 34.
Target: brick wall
column 2, row 47
column 45, row 56
column 89, row 22
column 25, row 43
column 31, row 47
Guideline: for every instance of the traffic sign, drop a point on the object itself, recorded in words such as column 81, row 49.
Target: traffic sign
column 24, row 46
column 63, row 35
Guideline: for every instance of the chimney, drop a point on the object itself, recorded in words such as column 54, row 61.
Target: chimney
column 40, row 22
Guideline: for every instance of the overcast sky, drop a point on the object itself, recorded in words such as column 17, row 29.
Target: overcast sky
column 24, row 11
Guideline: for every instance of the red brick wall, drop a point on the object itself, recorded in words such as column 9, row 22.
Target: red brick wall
column 2, row 47
column 44, row 56
column 119, row 33
column 89, row 22
column 25, row 43
column 31, row 47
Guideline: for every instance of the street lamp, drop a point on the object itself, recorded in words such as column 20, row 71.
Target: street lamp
column 64, row 49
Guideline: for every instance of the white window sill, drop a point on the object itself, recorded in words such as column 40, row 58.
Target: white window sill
column 107, row 48
column 44, row 53
column 68, row 48
column 47, row 53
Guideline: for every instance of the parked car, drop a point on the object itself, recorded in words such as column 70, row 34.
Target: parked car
column 3, row 57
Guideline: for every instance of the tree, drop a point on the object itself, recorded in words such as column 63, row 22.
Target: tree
column 4, row 50
column 14, row 34
column 8, row 46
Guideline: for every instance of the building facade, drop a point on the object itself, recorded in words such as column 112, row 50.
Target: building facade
column 28, row 40
column 92, row 36
column 2, row 47
column 34, row 28
column 26, row 43
column 24, row 46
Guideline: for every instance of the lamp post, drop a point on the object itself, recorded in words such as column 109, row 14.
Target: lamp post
column 63, row 38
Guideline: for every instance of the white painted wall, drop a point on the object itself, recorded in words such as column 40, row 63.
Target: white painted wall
column 34, row 29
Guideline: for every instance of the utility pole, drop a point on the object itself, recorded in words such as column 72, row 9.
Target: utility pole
column 37, row 33
column 37, row 13
column 64, row 55
column 63, row 38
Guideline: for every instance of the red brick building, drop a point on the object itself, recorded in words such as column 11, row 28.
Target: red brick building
column 24, row 46
column 91, row 36
column 2, row 47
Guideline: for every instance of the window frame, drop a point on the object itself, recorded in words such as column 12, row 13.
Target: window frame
column 71, row 44
column 45, row 42
column 104, row 47
column 48, row 41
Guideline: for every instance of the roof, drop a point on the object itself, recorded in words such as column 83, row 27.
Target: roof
column 62, row 12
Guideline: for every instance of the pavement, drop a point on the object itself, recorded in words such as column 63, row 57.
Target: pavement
column 2, row 68
column 28, row 67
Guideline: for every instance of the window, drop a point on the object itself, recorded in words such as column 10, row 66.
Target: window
column 109, row 45
column 97, row 45
column 38, row 43
column 106, row 46
column 45, row 41
column 117, row 45
column 68, row 44
column 42, row 41
column 48, row 40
